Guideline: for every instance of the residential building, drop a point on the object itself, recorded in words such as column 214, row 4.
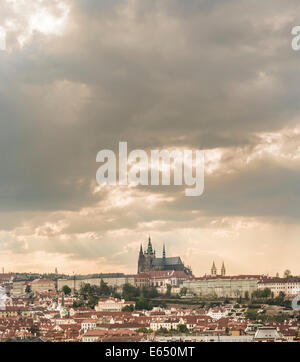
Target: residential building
column 289, row 286
column 112, row 305
column 88, row 324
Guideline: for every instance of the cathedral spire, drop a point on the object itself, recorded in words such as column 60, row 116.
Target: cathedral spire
column 140, row 260
column 149, row 249
column 141, row 250
column 164, row 252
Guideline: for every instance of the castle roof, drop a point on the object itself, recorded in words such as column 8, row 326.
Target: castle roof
column 210, row 277
column 167, row 261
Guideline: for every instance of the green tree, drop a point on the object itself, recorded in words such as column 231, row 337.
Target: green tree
column 66, row 290
column 128, row 308
column 168, row 292
column 117, row 295
column 183, row 291
column 251, row 315
column 85, row 291
column 28, row 289
column 143, row 303
column 130, row 292
column 262, row 294
column 78, row 303
column 144, row 330
column 104, row 288
column 162, row 331
column 182, row 328
column 92, row 301
column 149, row 292
column 287, row 273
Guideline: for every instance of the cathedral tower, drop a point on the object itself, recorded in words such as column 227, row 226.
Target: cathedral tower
column 149, row 255
column 223, row 270
column 213, row 270
column 141, row 260
column 147, row 261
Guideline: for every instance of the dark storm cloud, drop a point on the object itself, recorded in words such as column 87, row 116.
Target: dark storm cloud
column 159, row 73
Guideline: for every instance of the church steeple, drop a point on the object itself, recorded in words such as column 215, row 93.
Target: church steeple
column 213, row 270
column 223, row 270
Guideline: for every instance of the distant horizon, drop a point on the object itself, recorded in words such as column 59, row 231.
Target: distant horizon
column 120, row 272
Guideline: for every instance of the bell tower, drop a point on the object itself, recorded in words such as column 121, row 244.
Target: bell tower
column 213, row 270
column 223, row 270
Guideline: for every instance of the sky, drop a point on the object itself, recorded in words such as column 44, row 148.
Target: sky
column 79, row 76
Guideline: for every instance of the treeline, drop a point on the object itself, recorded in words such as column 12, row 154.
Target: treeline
column 255, row 315
column 141, row 296
column 265, row 296
column 89, row 295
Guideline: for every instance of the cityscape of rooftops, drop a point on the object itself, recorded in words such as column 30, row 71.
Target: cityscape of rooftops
column 149, row 173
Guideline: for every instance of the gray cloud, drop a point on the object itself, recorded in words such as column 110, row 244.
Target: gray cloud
column 203, row 74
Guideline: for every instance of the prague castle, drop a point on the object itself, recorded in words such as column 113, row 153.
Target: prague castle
column 148, row 261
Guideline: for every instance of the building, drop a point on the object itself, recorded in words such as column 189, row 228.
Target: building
column 112, row 305
column 93, row 335
column 217, row 313
column 140, row 280
column 167, row 324
column 147, row 261
column 88, row 324
column 10, row 312
column 18, row 288
column 267, row 334
column 222, row 286
column 6, row 278
column 167, row 277
column 289, row 286
column 42, row 285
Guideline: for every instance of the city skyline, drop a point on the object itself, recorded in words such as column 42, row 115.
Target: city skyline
column 219, row 268
column 80, row 76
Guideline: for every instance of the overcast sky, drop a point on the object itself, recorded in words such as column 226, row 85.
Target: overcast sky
column 78, row 76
